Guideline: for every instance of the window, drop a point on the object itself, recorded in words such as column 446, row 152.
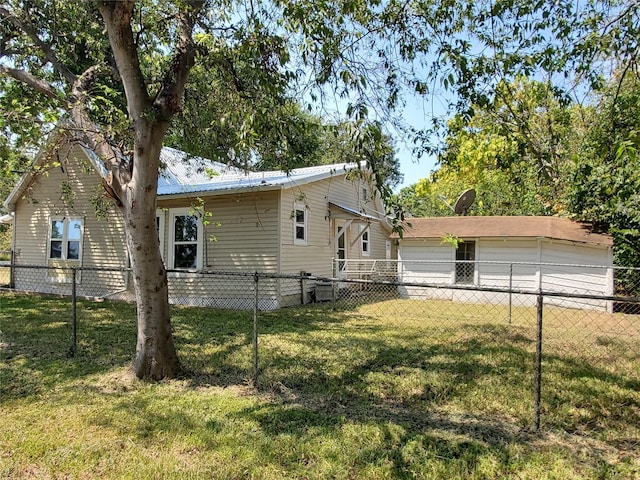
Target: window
column 64, row 249
column 300, row 224
column 364, row 239
column 185, row 249
column 65, row 239
column 465, row 256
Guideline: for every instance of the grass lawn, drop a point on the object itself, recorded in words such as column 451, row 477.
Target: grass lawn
column 395, row 389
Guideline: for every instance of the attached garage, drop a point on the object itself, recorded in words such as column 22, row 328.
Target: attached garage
column 522, row 253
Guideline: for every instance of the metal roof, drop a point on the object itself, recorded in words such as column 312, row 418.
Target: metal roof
column 353, row 212
column 182, row 173
column 179, row 178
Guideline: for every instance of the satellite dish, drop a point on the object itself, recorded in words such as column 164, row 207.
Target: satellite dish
column 465, row 200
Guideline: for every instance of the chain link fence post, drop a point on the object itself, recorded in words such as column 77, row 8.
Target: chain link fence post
column 256, row 278
column 538, row 394
column 12, row 270
column 74, row 317
column 510, row 292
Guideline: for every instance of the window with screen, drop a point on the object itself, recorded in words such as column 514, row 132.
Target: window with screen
column 465, row 266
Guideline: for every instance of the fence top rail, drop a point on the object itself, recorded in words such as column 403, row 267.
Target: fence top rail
column 494, row 289
column 483, row 262
column 342, row 281
column 66, row 268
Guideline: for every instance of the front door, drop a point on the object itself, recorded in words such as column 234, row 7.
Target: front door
column 341, row 249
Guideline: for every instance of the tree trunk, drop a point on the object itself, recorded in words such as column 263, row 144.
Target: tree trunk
column 156, row 356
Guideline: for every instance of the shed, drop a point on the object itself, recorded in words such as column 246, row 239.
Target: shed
column 531, row 253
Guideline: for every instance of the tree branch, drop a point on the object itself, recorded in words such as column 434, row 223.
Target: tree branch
column 173, row 83
column 49, row 54
column 28, row 79
column 117, row 16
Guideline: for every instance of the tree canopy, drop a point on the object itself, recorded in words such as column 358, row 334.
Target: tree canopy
column 120, row 71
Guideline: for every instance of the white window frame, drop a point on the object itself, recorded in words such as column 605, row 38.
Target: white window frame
column 57, row 272
column 365, row 232
column 179, row 212
column 465, row 270
column 65, row 239
column 304, row 224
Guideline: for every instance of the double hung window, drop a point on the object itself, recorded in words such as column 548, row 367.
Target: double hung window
column 364, row 240
column 185, row 237
column 65, row 239
column 300, row 229
column 64, row 249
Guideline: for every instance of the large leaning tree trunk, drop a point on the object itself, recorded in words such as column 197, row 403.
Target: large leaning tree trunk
column 136, row 185
column 155, row 351
column 133, row 179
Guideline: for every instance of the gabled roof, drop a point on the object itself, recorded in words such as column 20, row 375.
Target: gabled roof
column 505, row 227
column 229, row 180
column 186, row 174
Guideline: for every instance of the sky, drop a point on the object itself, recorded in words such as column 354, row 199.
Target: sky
column 417, row 113
column 411, row 167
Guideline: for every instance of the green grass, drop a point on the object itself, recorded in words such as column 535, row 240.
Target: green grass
column 395, row 389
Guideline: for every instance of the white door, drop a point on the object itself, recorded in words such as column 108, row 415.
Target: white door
column 341, row 252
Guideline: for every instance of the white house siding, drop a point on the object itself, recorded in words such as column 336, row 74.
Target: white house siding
column 511, row 263
column 102, row 241
column 521, row 264
column 425, row 261
column 591, row 275
column 509, row 253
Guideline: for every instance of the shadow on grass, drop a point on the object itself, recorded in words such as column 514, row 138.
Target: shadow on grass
column 322, row 369
column 410, row 445
column 36, row 342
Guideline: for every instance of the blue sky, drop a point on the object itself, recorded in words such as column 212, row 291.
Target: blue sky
column 417, row 113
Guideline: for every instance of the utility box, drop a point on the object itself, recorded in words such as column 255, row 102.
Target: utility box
column 324, row 292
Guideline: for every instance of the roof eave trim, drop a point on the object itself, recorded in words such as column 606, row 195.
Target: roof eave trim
column 354, row 212
column 226, row 191
column 408, row 236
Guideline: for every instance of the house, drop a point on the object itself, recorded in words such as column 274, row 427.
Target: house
column 210, row 217
column 522, row 253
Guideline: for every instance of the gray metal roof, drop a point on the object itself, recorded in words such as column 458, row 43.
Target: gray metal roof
column 181, row 178
column 182, row 173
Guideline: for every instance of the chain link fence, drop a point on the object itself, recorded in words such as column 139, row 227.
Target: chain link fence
column 552, row 352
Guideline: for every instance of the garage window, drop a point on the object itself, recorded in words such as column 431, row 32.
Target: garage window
column 465, row 266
